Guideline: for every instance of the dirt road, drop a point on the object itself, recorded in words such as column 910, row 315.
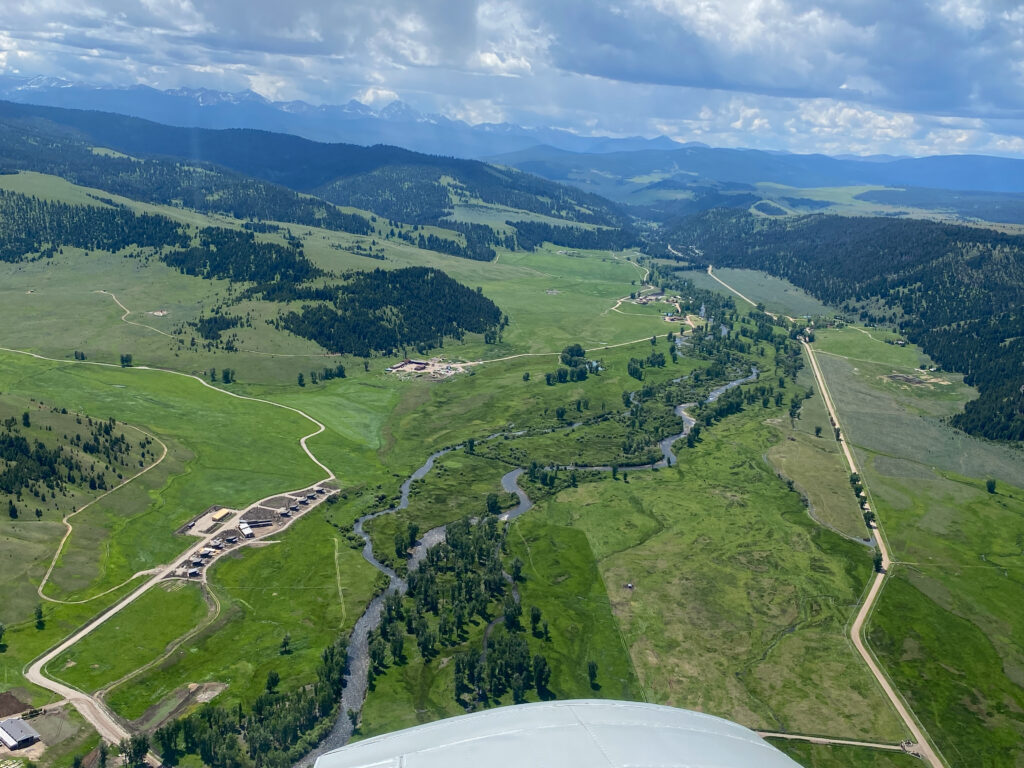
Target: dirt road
column 826, row 740
column 922, row 746
column 67, row 532
column 91, row 708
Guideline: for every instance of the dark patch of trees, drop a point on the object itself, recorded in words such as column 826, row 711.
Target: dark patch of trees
column 577, row 367
column 30, row 226
column 240, row 257
column 956, row 291
column 212, row 326
column 386, row 310
column 531, row 234
column 475, row 249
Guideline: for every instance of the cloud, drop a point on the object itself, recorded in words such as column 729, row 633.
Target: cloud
column 806, row 75
column 377, row 97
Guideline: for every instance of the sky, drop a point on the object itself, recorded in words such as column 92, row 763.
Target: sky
column 907, row 77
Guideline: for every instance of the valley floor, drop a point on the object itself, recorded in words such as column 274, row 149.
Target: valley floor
column 728, row 581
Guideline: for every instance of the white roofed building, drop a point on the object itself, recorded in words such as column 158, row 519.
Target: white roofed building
column 16, row 733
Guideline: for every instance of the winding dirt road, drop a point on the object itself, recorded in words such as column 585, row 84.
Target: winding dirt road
column 67, row 533
column 91, row 708
column 110, row 729
column 124, row 317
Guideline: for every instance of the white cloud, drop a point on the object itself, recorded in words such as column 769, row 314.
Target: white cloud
column 969, row 13
column 495, row 64
column 476, row 111
column 377, row 97
column 911, row 76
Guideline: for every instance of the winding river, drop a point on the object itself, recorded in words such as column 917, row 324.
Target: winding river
column 356, row 680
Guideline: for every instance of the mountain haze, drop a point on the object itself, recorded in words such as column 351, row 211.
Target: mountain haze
column 354, row 122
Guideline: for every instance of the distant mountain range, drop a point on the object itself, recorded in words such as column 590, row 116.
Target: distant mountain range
column 397, row 123
column 633, row 170
column 625, row 176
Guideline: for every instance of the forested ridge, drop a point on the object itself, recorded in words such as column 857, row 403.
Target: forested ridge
column 239, row 173
column 33, row 227
column 531, row 234
column 388, row 310
column 957, row 291
column 30, row 227
column 201, row 186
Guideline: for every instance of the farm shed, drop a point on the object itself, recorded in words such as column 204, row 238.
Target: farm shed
column 16, row 733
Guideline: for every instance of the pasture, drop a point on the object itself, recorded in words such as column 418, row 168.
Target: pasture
column 137, row 635
column 739, row 601
column 306, row 584
column 778, row 295
column 946, row 624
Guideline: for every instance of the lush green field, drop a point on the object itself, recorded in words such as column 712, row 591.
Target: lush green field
column 948, row 625
column 138, row 634
column 25, row 639
column 816, row 465
column 739, row 601
column 307, row 584
column 227, row 438
column 837, row 756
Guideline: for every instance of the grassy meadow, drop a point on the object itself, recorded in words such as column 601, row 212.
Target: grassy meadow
column 741, row 594
column 306, row 584
column 137, row 635
column 948, row 625
column 777, row 295
column 739, row 601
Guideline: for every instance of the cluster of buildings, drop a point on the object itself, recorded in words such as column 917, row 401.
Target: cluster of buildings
column 269, row 513
column 408, row 365
column 435, row 368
